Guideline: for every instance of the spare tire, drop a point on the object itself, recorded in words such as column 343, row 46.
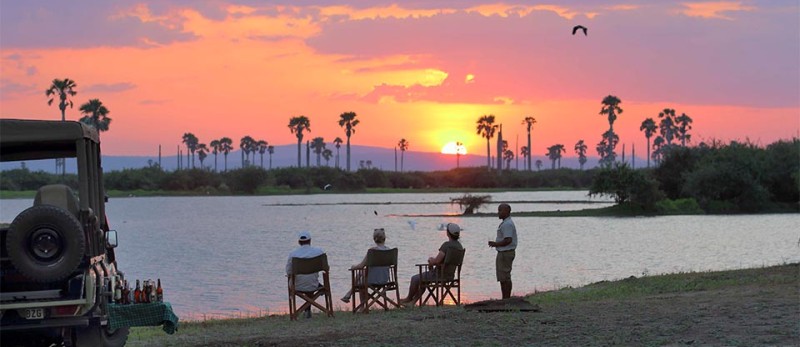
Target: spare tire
column 45, row 243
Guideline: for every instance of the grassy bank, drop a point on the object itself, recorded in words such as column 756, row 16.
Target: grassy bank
column 737, row 308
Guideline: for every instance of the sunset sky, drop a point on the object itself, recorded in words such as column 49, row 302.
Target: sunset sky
column 420, row 70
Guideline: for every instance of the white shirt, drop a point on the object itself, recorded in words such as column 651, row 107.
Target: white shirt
column 309, row 282
column 507, row 229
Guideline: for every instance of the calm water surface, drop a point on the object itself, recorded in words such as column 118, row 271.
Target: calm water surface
column 225, row 256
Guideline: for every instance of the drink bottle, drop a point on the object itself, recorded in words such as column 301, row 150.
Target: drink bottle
column 159, row 292
column 137, row 294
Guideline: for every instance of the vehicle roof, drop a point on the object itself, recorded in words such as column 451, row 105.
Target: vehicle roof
column 40, row 139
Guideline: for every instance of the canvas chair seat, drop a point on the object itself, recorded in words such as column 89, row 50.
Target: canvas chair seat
column 367, row 292
column 305, row 266
column 444, row 284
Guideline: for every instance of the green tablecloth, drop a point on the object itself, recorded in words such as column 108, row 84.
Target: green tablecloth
column 138, row 315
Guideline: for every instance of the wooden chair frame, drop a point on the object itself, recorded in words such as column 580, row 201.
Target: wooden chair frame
column 440, row 288
column 305, row 266
column 365, row 295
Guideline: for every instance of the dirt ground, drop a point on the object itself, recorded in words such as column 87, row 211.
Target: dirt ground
column 737, row 315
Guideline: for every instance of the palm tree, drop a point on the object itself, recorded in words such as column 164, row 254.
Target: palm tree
column 658, row 144
column 649, row 127
column 486, row 128
column 525, row 153
column 348, row 121
column 95, row 115
column 191, row 142
column 529, row 121
column 226, row 146
column 245, row 145
column 560, row 149
column 327, row 154
column 508, row 156
column 403, row 145
column 610, row 140
column 64, row 89
column 270, row 150
column 684, row 123
column 580, row 149
column 459, row 147
column 262, row 148
column 667, row 126
column 612, row 109
column 318, row 145
column 215, row 148
column 297, row 125
column 202, row 153
column 538, row 165
column 338, row 143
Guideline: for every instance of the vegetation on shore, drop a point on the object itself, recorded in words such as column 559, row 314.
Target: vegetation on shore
column 738, row 308
column 709, row 178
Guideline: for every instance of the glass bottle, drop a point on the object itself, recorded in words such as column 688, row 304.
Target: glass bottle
column 159, row 292
column 137, row 294
column 118, row 291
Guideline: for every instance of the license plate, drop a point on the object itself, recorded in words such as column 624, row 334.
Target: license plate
column 33, row 313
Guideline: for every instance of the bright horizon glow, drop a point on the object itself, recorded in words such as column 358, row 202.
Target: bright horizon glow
column 453, row 148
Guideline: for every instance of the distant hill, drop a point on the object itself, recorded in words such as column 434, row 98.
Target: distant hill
column 286, row 155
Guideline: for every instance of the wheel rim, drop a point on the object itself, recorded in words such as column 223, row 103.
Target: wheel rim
column 46, row 244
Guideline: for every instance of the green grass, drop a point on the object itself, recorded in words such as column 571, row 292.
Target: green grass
column 670, row 283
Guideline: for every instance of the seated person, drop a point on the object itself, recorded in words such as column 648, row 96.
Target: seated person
column 453, row 234
column 377, row 275
column 307, row 282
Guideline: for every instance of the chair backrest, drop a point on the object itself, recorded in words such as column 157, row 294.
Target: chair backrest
column 376, row 257
column 57, row 195
column 304, row 266
column 452, row 261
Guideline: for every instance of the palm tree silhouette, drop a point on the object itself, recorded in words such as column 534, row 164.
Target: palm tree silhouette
column 191, row 142
column 64, row 89
column 202, row 153
column 246, row 145
column 580, row 149
column 327, row 154
column 667, row 127
column 486, row 128
column 216, row 147
column 297, row 125
column 538, row 165
column 649, row 127
column 95, row 115
column 554, row 153
column 318, row 145
column 226, row 146
column 612, row 109
column 529, row 121
column 403, row 145
column 270, row 150
column 348, row 121
column 262, row 148
column 508, row 156
column 658, row 144
column 338, row 143
column 684, row 124
column 525, row 152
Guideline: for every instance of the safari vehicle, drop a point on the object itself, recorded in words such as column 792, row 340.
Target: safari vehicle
column 57, row 256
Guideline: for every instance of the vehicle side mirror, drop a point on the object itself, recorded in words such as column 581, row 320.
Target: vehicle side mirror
column 111, row 239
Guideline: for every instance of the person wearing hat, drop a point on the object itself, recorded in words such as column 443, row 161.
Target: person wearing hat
column 453, row 234
column 309, row 282
column 378, row 275
column 505, row 243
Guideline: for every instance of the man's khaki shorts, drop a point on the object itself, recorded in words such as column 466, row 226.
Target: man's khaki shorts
column 503, row 263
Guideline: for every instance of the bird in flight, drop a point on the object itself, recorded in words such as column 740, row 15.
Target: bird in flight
column 579, row 27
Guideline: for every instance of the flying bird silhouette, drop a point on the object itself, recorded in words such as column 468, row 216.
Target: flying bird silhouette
column 375, row 212
column 579, row 27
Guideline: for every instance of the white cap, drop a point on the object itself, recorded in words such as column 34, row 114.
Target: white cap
column 304, row 235
column 453, row 228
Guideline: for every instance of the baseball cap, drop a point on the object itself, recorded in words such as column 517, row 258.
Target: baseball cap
column 304, row 235
column 453, row 228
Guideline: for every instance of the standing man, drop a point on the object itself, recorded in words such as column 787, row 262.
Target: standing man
column 309, row 282
column 505, row 243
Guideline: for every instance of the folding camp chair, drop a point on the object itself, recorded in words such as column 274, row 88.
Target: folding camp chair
column 365, row 293
column 304, row 266
column 446, row 281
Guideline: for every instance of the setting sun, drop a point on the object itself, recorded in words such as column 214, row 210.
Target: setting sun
column 453, row 148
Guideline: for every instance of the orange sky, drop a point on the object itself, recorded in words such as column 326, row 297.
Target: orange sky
column 425, row 73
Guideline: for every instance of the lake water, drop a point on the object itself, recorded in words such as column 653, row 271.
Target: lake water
column 225, row 256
